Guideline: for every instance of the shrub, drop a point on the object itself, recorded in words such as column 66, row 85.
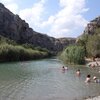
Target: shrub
column 17, row 53
column 74, row 54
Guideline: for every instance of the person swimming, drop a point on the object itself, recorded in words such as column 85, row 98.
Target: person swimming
column 96, row 80
column 78, row 72
column 88, row 78
column 63, row 69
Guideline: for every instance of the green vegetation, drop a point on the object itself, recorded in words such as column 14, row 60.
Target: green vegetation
column 82, row 41
column 34, row 48
column 73, row 55
column 93, row 46
column 97, row 31
column 11, row 51
column 86, row 46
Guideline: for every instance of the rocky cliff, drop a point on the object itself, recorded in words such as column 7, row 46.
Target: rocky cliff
column 93, row 27
column 13, row 27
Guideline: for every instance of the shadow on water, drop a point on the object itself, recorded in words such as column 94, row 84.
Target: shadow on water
column 44, row 79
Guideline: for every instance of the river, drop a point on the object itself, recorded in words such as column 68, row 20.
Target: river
column 44, row 80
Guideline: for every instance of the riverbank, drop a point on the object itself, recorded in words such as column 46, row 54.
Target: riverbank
column 95, row 63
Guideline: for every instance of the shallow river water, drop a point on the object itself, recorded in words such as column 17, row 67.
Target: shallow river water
column 44, row 80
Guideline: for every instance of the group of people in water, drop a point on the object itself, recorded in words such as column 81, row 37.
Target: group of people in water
column 88, row 78
column 95, row 79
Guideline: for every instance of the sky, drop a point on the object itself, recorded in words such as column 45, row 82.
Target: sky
column 56, row 18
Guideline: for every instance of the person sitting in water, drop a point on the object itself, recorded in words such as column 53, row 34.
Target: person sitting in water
column 63, row 68
column 78, row 72
column 96, row 80
column 88, row 78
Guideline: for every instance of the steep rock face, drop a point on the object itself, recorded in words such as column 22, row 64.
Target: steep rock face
column 13, row 27
column 93, row 27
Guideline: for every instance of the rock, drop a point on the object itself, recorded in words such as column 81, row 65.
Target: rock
column 92, row 27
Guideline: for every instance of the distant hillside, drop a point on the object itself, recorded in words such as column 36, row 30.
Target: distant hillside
column 14, row 28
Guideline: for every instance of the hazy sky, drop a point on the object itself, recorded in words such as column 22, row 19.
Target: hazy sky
column 57, row 18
